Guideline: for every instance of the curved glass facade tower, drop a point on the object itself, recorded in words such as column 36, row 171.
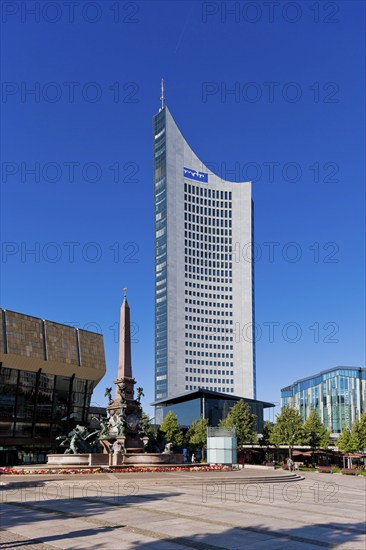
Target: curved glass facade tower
column 203, row 272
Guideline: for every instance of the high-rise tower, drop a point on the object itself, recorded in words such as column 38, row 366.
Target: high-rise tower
column 203, row 272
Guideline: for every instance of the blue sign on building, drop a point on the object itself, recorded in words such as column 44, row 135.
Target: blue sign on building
column 194, row 175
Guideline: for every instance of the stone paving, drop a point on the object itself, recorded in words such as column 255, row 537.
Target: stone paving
column 181, row 510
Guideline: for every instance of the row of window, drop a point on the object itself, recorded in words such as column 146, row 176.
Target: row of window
column 207, row 337
column 207, row 295
column 201, row 273
column 208, row 304
column 210, row 329
column 36, row 400
column 207, row 312
column 208, row 354
column 206, row 267
column 198, row 241
column 210, row 371
column 206, row 192
column 159, row 148
column 214, row 305
column 161, row 369
column 194, row 336
column 207, row 255
column 209, row 363
column 208, row 248
column 201, row 260
column 210, row 337
column 321, row 380
column 207, row 346
column 211, row 212
column 205, row 353
column 208, row 287
column 209, row 380
column 193, row 200
column 160, row 233
column 209, row 234
column 206, row 261
column 200, row 267
column 188, row 387
column 197, row 277
column 333, row 415
column 196, row 235
column 208, row 320
column 208, row 223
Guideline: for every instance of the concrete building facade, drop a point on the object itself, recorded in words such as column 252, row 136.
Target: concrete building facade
column 47, row 375
column 203, row 273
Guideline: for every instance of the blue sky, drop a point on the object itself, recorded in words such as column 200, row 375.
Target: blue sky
column 272, row 93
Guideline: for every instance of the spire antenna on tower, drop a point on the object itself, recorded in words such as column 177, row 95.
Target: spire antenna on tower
column 162, row 94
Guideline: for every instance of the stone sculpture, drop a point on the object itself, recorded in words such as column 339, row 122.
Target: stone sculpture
column 108, row 394
column 80, row 441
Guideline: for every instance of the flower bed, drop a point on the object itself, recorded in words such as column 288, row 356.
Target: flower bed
column 129, row 469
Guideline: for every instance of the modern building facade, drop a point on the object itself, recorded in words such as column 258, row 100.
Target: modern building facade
column 338, row 395
column 203, row 273
column 214, row 406
column 47, row 375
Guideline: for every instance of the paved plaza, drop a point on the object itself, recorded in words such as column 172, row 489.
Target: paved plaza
column 180, row 510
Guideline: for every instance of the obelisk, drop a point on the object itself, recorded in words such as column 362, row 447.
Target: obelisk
column 125, row 412
column 125, row 381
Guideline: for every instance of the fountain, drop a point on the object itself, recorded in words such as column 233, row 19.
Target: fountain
column 122, row 435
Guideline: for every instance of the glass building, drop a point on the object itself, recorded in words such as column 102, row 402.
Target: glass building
column 338, row 395
column 214, row 406
column 203, row 273
column 47, row 375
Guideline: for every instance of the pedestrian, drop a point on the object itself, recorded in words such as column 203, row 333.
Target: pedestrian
column 193, row 458
column 290, row 464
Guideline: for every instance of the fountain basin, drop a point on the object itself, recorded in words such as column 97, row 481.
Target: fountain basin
column 99, row 459
column 66, row 460
column 152, row 458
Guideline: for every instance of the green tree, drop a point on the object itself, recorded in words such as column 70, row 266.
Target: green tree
column 197, row 435
column 288, row 429
column 315, row 434
column 244, row 422
column 266, row 434
column 358, row 434
column 345, row 444
column 171, row 429
column 354, row 439
column 363, row 430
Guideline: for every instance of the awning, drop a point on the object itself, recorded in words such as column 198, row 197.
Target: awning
column 354, row 455
column 302, row 453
